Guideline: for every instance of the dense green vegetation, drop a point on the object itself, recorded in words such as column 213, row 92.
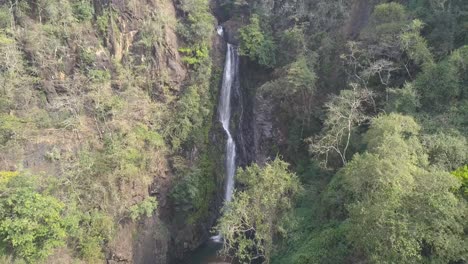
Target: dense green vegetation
column 249, row 223
column 93, row 94
column 376, row 130
column 107, row 127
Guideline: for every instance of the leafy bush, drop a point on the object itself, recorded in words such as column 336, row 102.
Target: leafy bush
column 447, row 150
column 5, row 17
column 257, row 44
column 144, row 208
column 194, row 55
column 99, row 76
column 462, row 174
column 438, row 85
column 194, row 190
column 83, row 10
column 31, row 223
column 10, row 127
column 403, row 100
column 198, row 25
column 386, row 22
column 88, row 232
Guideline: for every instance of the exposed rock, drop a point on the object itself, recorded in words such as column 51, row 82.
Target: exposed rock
column 231, row 30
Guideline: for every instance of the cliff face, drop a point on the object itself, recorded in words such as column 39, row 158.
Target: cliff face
column 103, row 101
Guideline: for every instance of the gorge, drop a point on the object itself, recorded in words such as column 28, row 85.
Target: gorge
column 215, row 131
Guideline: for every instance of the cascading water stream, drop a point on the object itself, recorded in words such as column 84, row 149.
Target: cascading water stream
column 224, row 108
column 230, row 70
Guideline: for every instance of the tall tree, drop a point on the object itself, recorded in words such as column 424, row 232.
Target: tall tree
column 345, row 112
column 251, row 220
column 399, row 210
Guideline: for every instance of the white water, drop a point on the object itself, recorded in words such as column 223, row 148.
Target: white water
column 220, row 30
column 230, row 70
column 224, row 108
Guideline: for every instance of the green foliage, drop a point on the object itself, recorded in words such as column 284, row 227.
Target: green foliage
column 32, row 223
column 194, row 191
column 89, row 231
column 83, row 10
column 5, row 18
column 403, row 100
column 6, row 176
column 144, row 208
column 386, row 22
column 294, row 43
column 105, row 106
column 195, row 55
column 462, row 174
column 194, row 106
column 459, row 58
column 10, row 128
column 345, row 112
column 311, row 238
column 153, row 31
column 415, row 45
column 446, row 151
column 198, row 25
column 391, row 125
column 53, row 12
column 300, row 76
column 152, row 138
column 438, row 85
column 327, row 246
column 87, row 57
column 187, row 117
column 256, row 43
column 397, row 211
column 250, row 221
column 99, row 76
column 103, row 21
column 446, row 23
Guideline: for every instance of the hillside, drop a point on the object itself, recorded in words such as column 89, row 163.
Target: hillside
column 278, row 131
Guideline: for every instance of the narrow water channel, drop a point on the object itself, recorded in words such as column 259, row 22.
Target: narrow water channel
column 207, row 253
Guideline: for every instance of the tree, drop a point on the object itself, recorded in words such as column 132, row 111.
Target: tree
column 386, row 22
column 415, row 45
column 257, row 44
column 446, row 150
column 293, row 91
column 438, row 85
column 398, row 210
column 254, row 216
column 402, row 100
column 344, row 113
column 31, row 223
column 462, row 175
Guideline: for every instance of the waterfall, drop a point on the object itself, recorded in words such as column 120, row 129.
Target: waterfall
column 229, row 75
column 224, row 108
column 220, row 30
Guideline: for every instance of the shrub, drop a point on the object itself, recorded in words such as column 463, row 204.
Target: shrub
column 89, row 231
column 438, row 85
column 143, row 208
column 99, row 76
column 31, row 223
column 257, row 44
column 83, row 10
column 195, row 55
column 462, row 174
